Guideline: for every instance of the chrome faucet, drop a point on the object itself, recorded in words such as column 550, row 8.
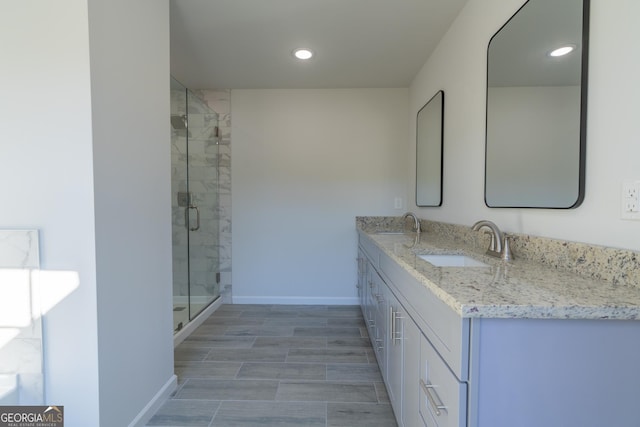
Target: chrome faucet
column 415, row 220
column 499, row 246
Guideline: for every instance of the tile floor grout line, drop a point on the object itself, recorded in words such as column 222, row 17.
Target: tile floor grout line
column 214, row 414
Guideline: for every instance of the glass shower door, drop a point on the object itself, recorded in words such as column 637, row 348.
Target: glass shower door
column 194, row 182
column 179, row 188
column 202, row 212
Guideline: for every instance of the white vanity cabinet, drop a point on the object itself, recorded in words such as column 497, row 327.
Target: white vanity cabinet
column 445, row 370
column 372, row 294
column 394, row 336
column 384, row 319
column 421, row 345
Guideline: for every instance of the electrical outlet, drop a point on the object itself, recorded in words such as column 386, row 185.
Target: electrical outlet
column 397, row 203
column 631, row 200
column 629, row 190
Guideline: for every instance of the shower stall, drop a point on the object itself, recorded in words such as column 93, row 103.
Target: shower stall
column 194, row 204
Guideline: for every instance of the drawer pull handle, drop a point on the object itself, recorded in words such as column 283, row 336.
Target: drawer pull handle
column 392, row 326
column 434, row 399
column 395, row 336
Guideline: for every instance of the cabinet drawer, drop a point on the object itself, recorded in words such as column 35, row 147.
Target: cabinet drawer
column 443, row 399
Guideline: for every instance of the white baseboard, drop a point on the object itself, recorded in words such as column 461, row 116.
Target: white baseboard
column 297, row 300
column 183, row 333
column 155, row 403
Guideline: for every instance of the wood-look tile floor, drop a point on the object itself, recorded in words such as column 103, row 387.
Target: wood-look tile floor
column 278, row 365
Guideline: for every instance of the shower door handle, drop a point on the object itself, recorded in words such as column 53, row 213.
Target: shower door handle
column 188, row 218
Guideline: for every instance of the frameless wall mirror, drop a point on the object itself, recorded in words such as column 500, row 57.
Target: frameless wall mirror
column 536, row 107
column 429, row 139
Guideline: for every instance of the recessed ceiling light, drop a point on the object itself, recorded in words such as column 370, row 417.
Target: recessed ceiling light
column 561, row 51
column 303, row 53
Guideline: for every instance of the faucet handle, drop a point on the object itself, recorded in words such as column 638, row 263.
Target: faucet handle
column 506, row 249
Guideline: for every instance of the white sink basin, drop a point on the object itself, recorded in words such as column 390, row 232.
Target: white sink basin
column 452, row 261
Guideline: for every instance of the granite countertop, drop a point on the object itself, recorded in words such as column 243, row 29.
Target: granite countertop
column 515, row 289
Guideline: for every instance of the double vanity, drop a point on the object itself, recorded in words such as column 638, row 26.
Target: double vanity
column 542, row 333
column 466, row 339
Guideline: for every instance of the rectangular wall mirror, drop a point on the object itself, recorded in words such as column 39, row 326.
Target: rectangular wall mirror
column 536, row 107
column 429, row 142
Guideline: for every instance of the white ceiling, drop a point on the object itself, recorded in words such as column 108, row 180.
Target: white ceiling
column 247, row 44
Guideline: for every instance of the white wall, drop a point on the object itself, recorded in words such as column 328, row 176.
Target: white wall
column 84, row 158
column 458, row 66
column 131, row 140
column 304, row 164
column 46, row 181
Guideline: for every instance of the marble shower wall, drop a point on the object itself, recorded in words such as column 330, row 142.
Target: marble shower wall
column 220, row 102
column 21, row 363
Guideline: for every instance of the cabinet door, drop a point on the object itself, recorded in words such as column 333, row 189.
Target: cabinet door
column 379, row 306
column 362, row 275
column 411, row 371
column 367, row 304
column 395, row 349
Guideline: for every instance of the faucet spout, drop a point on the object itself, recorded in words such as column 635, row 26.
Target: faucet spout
column 495, row 248
column 416, row 221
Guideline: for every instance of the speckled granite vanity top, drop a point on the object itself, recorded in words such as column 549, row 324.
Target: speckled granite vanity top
column 516, row 289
